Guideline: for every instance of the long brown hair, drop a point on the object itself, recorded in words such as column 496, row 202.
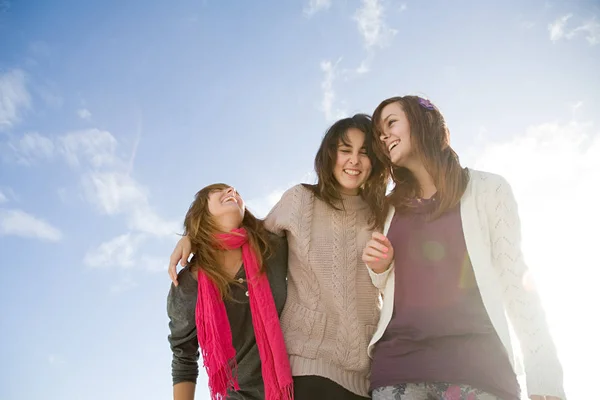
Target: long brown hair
column 200, row 228
column 327, row 188
column 430, row 140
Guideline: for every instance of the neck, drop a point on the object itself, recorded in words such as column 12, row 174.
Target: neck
column 226, row 224
column 424, row 180
column 230, row 260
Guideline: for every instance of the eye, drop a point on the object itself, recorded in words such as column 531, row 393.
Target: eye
column 345, row 150
column 391, row 122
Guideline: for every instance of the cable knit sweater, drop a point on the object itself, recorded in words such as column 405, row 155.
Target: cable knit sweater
column 492, row 233
column 331, row 310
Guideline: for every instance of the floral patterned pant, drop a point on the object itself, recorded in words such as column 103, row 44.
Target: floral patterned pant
column 431, row 391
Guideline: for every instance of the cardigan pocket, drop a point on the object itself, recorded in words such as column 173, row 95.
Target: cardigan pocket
column 303, row 330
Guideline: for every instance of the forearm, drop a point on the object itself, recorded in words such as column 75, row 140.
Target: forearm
column 184, row 391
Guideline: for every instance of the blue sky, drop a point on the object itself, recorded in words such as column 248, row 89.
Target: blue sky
column 113, row 114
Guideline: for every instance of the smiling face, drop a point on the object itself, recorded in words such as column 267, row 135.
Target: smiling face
column 352, row 165
column 226, row 207
column 395, row 135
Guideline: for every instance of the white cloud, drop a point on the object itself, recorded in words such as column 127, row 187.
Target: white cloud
column 94, row 146
column 84, row 113
column 3, row 198
column 552, row 168
column 327, row 103
column 403, row 7
column 314, row 6
column 117, row 193
column 15, row 222
column 557, row 28
column 372, row 26
column 32, row 147
column 590, row 29
column 13, row 98
column 119, row 251
column 123, row 252
column 113, row 192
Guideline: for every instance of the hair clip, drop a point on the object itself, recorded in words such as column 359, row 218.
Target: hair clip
column 426, row 104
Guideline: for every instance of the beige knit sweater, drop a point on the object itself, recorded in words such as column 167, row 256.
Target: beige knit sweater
column 331, row 310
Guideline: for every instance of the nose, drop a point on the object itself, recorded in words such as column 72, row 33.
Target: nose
column 354, row 159
column 231, row 191
column 383, row 136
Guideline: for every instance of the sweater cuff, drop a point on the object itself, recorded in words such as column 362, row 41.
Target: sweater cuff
column 544, row 386
column 379, row 279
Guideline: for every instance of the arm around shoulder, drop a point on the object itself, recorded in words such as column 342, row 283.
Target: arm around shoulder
column 278, row 219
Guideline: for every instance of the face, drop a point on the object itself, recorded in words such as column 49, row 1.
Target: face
column 227, row 207
column 352, row 166
column 396, row 134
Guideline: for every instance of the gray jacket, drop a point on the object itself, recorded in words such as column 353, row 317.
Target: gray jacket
column 181, row 306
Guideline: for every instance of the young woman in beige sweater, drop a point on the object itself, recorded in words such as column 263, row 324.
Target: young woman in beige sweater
column 331, row 311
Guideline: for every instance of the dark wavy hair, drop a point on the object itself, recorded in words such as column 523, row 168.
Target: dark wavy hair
column 430, row 140
column 327, row 188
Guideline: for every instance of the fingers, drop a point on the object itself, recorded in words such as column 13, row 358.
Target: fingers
column 376, row 253
column 185, row 255
column 173, row 269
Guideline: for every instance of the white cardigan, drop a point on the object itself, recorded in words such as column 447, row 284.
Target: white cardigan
column 492, row 233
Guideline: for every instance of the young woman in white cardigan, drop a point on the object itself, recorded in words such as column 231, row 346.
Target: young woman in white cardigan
column 457, row 273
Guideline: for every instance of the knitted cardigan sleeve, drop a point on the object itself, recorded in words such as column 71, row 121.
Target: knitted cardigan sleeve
column 542, row 368
column 380, row 279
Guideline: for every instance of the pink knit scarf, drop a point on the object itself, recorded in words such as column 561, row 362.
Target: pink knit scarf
column 214, row 331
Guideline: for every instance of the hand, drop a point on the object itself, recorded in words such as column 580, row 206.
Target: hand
column 180, row 255
column 379, row 253
column 539, row 397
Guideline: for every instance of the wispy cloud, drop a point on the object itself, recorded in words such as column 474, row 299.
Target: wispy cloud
column 314, row 6
column 14, row 222
column 93, row 146
column 14, row 97
column 328, row 93
column 557, row 28
column 31, row 148
column 119, row 251
column 106, row 183
column 84, row 113
column 590, row 29
column 370, row 18
column 3, row 198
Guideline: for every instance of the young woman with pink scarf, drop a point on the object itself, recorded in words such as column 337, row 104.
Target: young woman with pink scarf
column 332, row 309
column 227, row 303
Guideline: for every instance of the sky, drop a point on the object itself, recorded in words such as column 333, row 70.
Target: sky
column 114, row 114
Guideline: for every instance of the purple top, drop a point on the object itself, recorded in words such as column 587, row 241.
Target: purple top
column 440, row 330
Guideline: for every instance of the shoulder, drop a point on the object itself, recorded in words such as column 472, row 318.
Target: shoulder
column 299, row 190
column 484, row 178
column 186, row 292
column 487, row 183
column 293, row 197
